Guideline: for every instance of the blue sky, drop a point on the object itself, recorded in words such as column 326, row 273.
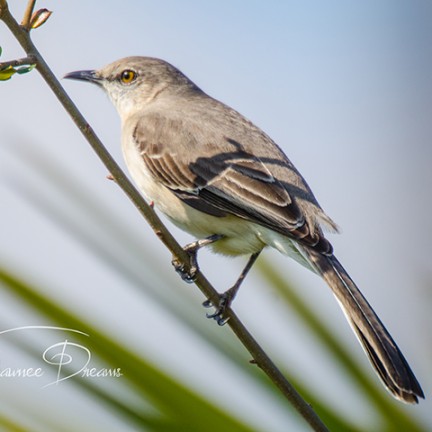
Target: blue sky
column 343, row 87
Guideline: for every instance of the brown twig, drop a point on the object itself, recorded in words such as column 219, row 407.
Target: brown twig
column 29, row 60
column 258, row 354
column 26, row 22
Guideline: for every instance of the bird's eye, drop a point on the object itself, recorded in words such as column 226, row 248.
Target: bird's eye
column 127, row 76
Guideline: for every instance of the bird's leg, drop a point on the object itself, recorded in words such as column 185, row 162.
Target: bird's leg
column 226, row 298
column 192, row 250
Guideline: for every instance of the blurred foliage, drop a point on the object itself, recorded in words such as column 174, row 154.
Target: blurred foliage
column 6, row 72
column 9, row 71
column 162, row 402
column 174, row 406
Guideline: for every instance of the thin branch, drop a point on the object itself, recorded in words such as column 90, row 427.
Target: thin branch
column 259, row 356
column 28, row 14
column 29, row 60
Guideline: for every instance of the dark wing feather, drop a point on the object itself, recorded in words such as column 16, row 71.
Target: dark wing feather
column 226, row 181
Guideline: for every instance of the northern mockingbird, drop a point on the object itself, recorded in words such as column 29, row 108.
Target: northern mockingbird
column 222, row 179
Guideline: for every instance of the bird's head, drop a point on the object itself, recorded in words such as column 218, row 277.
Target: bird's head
column 137, row 81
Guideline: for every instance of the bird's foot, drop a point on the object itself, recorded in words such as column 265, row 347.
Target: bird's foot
column 187, row 275
column 218, row 315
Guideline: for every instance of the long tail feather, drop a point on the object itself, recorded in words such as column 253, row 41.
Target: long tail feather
column 381, row 349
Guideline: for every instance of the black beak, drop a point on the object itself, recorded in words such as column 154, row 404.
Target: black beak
column 85, row 75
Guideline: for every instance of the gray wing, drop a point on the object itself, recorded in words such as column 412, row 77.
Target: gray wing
column 224, row 179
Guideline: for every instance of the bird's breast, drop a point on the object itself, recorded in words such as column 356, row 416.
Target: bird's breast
column 240, row 236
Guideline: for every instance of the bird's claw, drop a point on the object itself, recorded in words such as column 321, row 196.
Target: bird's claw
column 191, row 249
column 218, row 314
column 207, row 304
column 188, row 276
